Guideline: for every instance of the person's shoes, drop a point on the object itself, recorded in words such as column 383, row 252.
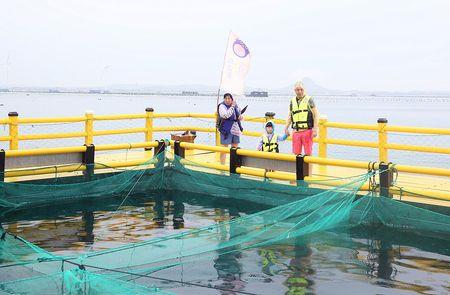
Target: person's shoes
column 159, row 220
column 178, row 220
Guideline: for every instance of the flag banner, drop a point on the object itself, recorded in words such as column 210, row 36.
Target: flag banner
column 236, row 66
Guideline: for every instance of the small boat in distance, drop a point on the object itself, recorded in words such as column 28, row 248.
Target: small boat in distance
column 258, row 94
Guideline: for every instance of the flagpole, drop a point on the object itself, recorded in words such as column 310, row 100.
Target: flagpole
column 220, row 85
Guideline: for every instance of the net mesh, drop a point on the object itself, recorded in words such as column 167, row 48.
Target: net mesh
column 294, row 212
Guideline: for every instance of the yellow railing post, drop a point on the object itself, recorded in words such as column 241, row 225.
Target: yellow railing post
column 89, row 128
column 217, row 130
column 323, row 134
column 148, row 124
column 382, row 140
column 217, row 135
column 13, row 130
column 269, row 116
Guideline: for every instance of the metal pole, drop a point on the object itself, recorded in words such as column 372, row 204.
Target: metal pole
column 382, row 140
column 13, row 130
column 218, row 91
column 235, row 160
column 386, row 179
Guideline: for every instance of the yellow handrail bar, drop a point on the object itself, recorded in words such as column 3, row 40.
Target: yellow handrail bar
column 357, row 143
column 203, row 147
column 418, row 148
column 50, row 120
column 46, row 151
column 183, row 128
column 119, row 117
column 351, row 126
column 171, row 115
column 118, row 131
column 75, row 168
column 423, row 170
column 123, row 146
column 51, row 135
column 266, row 155
column 340, row 163
column 422, row 130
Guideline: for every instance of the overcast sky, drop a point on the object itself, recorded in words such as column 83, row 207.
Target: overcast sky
column 365, row 45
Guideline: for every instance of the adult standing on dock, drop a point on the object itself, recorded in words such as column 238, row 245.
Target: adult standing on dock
column 230, row 127
column 303, row 117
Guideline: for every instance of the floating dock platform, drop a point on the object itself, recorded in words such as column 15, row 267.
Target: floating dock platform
column 418, row 184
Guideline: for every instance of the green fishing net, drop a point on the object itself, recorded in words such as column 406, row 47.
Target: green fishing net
column 294, row 211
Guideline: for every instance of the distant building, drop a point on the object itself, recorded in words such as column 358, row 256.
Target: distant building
column 4, row 90
column 189, row 93
column 259, row 94
column 53, row 91
column 98, row 91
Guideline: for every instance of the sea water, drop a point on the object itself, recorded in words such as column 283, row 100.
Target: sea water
column 361, row 261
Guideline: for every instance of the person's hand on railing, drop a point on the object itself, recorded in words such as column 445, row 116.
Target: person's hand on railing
column 315, row 131
column 286, row 131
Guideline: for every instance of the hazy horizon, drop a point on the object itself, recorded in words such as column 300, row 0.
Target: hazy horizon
column 397, row 46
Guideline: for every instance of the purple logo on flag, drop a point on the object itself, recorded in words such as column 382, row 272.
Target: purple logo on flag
column 240, row 49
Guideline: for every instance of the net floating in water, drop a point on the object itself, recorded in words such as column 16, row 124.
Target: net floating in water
column 295, row 211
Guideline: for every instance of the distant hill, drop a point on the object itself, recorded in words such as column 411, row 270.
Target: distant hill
column 311, row 87
column 309, row 84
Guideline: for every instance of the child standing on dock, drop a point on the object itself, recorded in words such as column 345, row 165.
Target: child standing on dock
column 269, row 140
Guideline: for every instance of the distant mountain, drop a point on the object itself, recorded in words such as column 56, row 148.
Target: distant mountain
column 309, row 84
column 311, row 87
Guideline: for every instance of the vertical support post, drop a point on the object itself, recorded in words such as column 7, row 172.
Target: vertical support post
column 89, row 128
column 386, row 178
column 160, row 149
column 269, row 116
column 88, row 159
column 2, row 165
column 382, row 140
column 323, row 134
column 148, row 124
column 301, row 167
column 2, row 172
column 217, row 134
column 13, row 130
column 217, row 129
column 178, row 150
column 235, row 160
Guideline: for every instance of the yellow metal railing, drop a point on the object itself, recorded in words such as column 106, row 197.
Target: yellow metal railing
column 76, row 167
column 442, row 195
column 383, row 129
column 89, row 133
column 405, row 191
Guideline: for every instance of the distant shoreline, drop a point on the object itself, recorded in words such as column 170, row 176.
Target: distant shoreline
column 139, row 93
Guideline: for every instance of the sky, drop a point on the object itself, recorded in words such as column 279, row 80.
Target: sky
column 346, row 45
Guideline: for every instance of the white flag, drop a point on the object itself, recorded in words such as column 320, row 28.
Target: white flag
column 236, row 66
